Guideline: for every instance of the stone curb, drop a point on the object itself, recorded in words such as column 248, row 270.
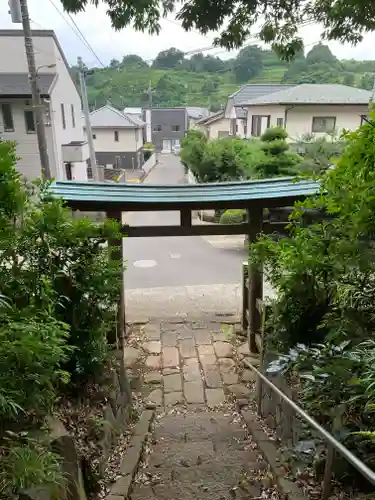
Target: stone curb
column 269, row 449
column 122, row 487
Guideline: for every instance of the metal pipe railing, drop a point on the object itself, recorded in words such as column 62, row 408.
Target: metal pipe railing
column 334, row 444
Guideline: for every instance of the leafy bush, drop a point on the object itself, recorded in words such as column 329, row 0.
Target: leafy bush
column 192, row 149
column 324, row 277
column 233, row 216
column 58, row 289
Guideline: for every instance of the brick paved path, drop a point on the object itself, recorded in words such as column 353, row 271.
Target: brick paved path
column 201, row 450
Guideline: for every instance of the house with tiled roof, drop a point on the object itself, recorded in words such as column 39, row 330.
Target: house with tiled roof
column 312, row 109
column 117, row 137
column 215, row 125
column 66, row 146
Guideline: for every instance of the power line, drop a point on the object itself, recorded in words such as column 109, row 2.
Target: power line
column 77, row 32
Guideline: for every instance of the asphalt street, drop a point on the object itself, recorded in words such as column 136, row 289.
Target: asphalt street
column 176, row 261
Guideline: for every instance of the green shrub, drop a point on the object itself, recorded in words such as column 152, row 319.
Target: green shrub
column 274, row 134
column 233, row 216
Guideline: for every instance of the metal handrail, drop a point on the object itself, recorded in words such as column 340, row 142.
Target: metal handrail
column 362, row 468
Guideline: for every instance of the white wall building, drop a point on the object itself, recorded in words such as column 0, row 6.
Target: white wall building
column 118, row 138
column 306, row 109
column 67, row 149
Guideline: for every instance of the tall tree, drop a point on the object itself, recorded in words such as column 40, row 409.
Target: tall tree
column 133, row 61
column 248, row 63
column 320, row 53
column 169, row 92
column 168, row 59
column 279, row 21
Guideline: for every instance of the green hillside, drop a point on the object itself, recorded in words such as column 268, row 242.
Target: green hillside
column 205, row 80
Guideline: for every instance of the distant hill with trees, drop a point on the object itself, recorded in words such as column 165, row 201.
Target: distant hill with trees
column 206, row 80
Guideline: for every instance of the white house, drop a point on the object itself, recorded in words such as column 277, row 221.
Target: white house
column 214, row 126
column 67, row 148
column 118, row 138
column 313, row 109
column 236, row 107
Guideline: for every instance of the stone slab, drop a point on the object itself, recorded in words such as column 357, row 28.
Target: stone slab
column 156, row 397
column 173, row 398
column 169, row 339
column 208, row 359
column 191, row 370
column 170, row 357
column 187, row 348
column 152, row 378
column 206, row 350
column 171, row 370
column 152, row 332
column 239, row 390
column 122, row 486
column 226, row 364
column 248, row 376
column 223, row 349
column 212, row 376
column 215, row 397
column 202, row 336
column 131, row 356
column 153, row 362
column 194, row 392
column 172, row 383
column 152, row 347
column 229, row 378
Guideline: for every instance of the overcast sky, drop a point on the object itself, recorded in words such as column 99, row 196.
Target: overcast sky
column 109, row 44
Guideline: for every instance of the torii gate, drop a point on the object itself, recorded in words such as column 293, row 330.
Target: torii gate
column 253, row 196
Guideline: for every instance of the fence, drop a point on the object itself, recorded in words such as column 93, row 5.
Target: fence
column 150, row 163
column 276, row 402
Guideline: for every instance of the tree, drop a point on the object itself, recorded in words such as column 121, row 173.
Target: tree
column 279, row 23
column 278, row 159
column 168, row 59
column 114, row 64
column 349, row 79
column 133, row 61
column 248, row 63
column 366, row 81
column 320, row 53
column 169, row 92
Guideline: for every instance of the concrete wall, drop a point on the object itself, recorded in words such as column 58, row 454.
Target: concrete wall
column 27, row 149
column 150, row 163
column 128, row 160
column 219, row 128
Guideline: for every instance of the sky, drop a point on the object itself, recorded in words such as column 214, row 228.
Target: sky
column 109, row 44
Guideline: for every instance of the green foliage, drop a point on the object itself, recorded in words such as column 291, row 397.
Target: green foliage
column 319, row 153
column 236, row 20
column 233, row 216
column 248, row 63
column 205, row 80
column 192, row 150
column 58, row 289
column 278, row 160
column 323, row 317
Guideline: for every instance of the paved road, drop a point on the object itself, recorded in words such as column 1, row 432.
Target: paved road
column 177, row 261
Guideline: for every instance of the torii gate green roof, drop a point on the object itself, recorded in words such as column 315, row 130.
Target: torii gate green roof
column 94, row 196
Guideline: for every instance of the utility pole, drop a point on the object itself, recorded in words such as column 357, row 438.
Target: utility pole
column 86, row 112
column 149, row 114
column 38, row 107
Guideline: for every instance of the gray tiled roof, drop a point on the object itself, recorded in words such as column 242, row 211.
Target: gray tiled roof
column 107, row 116
column 18, row 84
column 253, row 90
column 212, row 118
column 196, row 112
column 306, row 93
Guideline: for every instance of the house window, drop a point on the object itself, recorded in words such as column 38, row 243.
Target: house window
column 236, row 128
column 364, row 119
column 116, row 136
column 323, row 124
column 259, row 123
column 6, row 112
column 280, row 122
column 94, row 136
column 63, row 116
column 175, row 128
column 157, row 128
column 30, row 121
column 73, row 116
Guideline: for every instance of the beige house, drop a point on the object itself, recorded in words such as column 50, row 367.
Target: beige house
column 312, row 109
column 118, row 138
column 67, row 148
column 215, row 125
